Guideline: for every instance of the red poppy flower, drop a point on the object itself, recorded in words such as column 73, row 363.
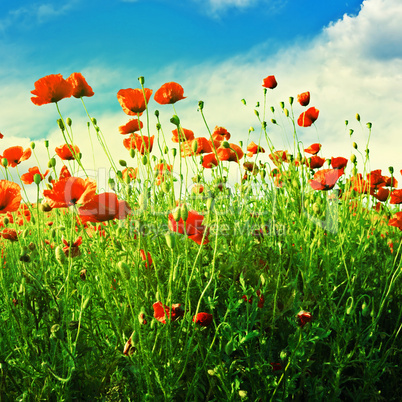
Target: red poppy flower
column 313, row 149
column 147, row 258
column 307, row 118
column 142, row 143
column 161, row 312
column 103, row 207
column 9, row 234
column 129, row 172
column 72, row 249
column 80, row 86
column 269, row 82
column 220, row 134
column 70, row 191
column 304, row 98
column 132, row 100
column 10, row 196
column 390, row 181
column 203, row 147
column 381, row 194
column 198, row 189
column 209, row 161
column 376, row 179
column 194, row 228
column 185, row 135
column 28, row 178
column 325, row 179
column 315, row 162
column 51, row 88
column 396, row 197
column 16, row 155
column 131, row 127
column 253, row 149
column 396, row 220
column 231, row 155
column 303, row 318
column 339, row 163
column 203, row 319
column 171, row 92
column 278, row 157
column 65, row 152
column 251, row 167
column 1, row 136
column 163, row 168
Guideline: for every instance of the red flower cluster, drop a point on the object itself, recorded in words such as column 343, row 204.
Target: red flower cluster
column 193, row 227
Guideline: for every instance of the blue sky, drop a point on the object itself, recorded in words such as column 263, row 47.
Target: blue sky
column 348, row 54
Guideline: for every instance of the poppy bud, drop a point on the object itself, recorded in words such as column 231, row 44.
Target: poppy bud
column 93, row 120
column 282, row 104
column 6, row 221
column 286, row 111
column 241, row 143
column 369, row 125
column 272, row 109
column 144, row 160
column 47, row 143
column 257, row 104
column 158, row 126
column 242, row 394
column 273, row 121
column 184, row 212
column 367, row 151
column 124, row 270
column 141, row 80
column 37, row 178
column 251, row 129
column 354, row 145
column 264, row 125
column 365, row 309
column 157, row 113
column 353, row 158
column 175, row 120
column 69, row 122
column 263, row 173
column 122, row 162
column 291, row 100
column 32, row 145
column 165, row 187
column 194, row 146
column 357, row 116
column 346, row 122
column 210, row 204
column 225, row 144
column 60, row 256
column 60, row 124
column 200, row 105
column 256, row 113
column 112, row 184
column 316, row 208
column 51, row 163
column 4, row 162
column 391, row 170
column 170, row 240
column 174, row 152
column 243, row 101
column 132, row 152
column 176, row 214
column 143, row 201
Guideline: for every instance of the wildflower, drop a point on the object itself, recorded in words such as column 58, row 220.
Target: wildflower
column 28, row 178
column 304, row 98
column 303, row 318
column 381, row 194
column 132, row 100
column 203, row 319
column 70, row 191
column 16, row 155
column 375, row 179
column 9, row 234
column 315, row 162
column 396, row 220
column 209, row 161
column 278, row 157
column 253, row 149
column 193, row 228
column 325, row 179
column 220, row 134
column 143, row 144
column 67, row 152
column 10, row 196
column 196, row 146
column 80, row 86
column 72, row 249
column 50, row 89
column 132, row 126
column 234, row 153
column 147, row 258
column 396, row 197
column 339, row 163
column 171, row 92
column 161, row 312
column 251, row 167
column 103, row 207
column 185, row 135
column 129, row 172
column 269, row 82
column 307, row 118
column 313, row 149
column 163, row 168
column 198, row 189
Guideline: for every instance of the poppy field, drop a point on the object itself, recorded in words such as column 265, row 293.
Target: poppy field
column 275, row 275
